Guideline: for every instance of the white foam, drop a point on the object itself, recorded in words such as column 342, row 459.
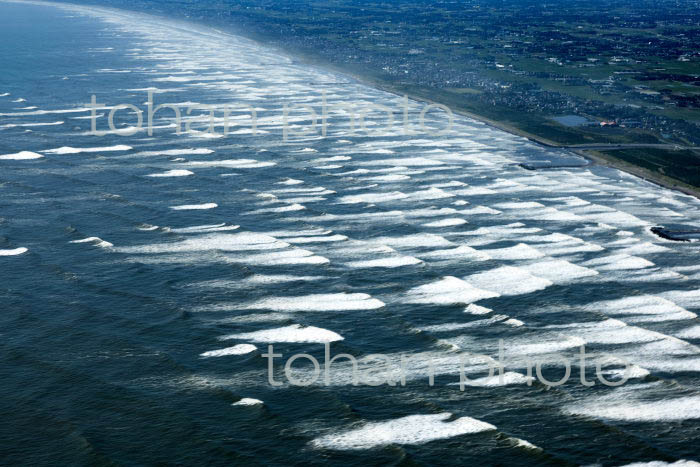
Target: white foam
column 414, row 241
column 388, row 178
column 333, row 159
column 316, row 239
column 568, row 247
column 508, row 280
column 679, row 463
column 619, row 262
column 97, row 241
column 447, row 291
column 610, row 331
column 624, row 409
column 257, row 318
column 473, row 191
column 291, row 181
column 32, row 125
column 231, row 164
column 665, row 351
column 508, row 378
column 475, row 309
column 519, row 205
column 204, row 228
column 526, row 346
column 21, row 156
column 240, row 349
column 244, row 241
column 571, row 201
column 286, row 257
column 391, row 262
column 642, row 308
column 613, row 217
column 450, row 222
column 248, row 401
column 623, row 242
column 688, row 298
column 294, row 333
column 372, row 198
column 430, row 194
column 552, row 214
column 188, row 207
column 450, row 184
column 558, row 271
column 458, row 326
column 405, row 161
column 318, row 302
column 328, row 167
column 70, row 150
column 519, row 251
column 289, row 208
column 298, row 233
column 172, row 173
column 177, row 152
column 306, row 191
column 47, row 112
column 521, row 443
column 361, row 217
column 13, row 252
column 413, row 429
column 652, row 275
column 644, row 248
column 692, row 332
column 280, row 278
column 430, row 212
column 303, row 199
column 555, row 237
column 631, row 372
column 460, row 253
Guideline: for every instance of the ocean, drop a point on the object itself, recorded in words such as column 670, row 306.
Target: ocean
column 146, row 279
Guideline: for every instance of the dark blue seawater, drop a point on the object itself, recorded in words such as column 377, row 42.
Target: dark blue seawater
column 143, row 277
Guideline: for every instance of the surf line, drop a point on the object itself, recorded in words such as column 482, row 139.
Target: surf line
column 315, row 123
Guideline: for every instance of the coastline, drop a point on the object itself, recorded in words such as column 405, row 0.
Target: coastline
column 594, row 157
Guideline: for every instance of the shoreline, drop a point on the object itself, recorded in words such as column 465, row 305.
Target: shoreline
column 594, row 157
